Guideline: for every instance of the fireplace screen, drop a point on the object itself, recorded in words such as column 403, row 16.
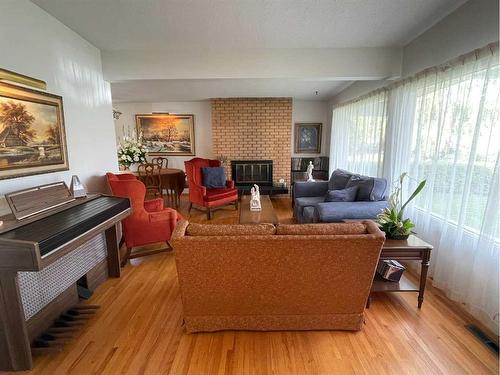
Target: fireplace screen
column 248, row 172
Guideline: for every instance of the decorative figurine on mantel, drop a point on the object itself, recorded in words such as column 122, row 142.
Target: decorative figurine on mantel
column 309, row 172
column 255, row 201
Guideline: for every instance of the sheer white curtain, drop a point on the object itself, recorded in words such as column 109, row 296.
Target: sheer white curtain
column 445, row 127
column 399, row 130
column 358, row 135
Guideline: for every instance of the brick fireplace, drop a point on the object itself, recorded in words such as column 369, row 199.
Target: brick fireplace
column 254, row 129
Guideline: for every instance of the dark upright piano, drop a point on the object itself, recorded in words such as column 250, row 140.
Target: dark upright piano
column 43, row 256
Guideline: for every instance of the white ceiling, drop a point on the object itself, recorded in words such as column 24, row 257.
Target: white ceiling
column 162, row 50
column 165, row 24
column 201, row 89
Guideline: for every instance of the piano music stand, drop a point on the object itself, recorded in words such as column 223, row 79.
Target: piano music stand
column 28, row 202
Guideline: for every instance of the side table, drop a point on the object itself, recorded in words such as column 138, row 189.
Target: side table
column 405, row 250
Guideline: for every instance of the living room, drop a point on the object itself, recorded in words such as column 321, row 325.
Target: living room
column 249, row 187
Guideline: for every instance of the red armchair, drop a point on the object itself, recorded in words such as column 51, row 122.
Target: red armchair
column 199, row 195
column 149, row 223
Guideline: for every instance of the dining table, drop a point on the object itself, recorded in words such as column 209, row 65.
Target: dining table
column 173, row 180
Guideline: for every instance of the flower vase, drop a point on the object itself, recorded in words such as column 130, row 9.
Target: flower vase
column 134, row 167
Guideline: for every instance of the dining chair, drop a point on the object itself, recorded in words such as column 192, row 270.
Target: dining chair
column 170, row 193
column 162, row 162
column 149, row 173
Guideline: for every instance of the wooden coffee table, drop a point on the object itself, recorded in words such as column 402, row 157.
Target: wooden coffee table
column 266, row 215
column 406, row 250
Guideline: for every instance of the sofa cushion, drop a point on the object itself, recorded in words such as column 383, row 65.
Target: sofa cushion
column 379, row 189
column 369, row 188
column 339, row 179
column 342, row 195
column 329, row 212
column 230, row 230
column 309, row 188
column 217, row 194
column 321, row 229
column 213, row 177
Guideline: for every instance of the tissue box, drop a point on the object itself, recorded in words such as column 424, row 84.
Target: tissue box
column 390, row 270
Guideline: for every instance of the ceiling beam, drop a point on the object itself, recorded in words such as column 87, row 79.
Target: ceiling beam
column 312, row 63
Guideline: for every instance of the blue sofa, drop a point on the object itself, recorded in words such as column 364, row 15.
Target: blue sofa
column 310, row 205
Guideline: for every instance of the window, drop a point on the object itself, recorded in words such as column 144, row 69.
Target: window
column 456, row 141
column 358, row 135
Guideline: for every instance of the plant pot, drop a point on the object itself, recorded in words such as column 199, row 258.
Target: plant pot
column 400, row 237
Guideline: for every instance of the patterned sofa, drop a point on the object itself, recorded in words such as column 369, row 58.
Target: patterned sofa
column 288, row 277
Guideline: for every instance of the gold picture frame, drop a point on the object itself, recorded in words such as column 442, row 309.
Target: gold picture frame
column 32, row 132
column 166, row 134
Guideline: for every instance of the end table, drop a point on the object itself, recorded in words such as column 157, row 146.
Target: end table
column 405, row 250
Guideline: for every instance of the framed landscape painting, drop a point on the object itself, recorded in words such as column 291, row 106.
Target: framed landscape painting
column 166, row 134
column 308, row 138
column 32, row 137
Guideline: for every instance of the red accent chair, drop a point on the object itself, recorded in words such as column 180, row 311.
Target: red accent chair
column 149, row 222
column 199, row 195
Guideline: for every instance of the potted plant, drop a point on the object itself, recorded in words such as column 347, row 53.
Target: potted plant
column 391, row 219
column 131, row 151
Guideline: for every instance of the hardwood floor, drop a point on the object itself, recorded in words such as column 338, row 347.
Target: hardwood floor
column 138, row 330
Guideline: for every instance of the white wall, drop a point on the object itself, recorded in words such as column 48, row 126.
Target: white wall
column 302, row 111
column 125, row 125
column 471, row 26
column 312, row 111
column 36, row 44
column 202, row 124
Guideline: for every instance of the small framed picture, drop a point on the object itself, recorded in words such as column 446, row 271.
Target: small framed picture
column 308, row 138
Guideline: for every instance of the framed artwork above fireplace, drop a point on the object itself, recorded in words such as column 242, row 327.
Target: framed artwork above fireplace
column 307, row 138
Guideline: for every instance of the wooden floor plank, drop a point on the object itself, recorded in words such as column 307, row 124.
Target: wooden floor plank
column 138, row 330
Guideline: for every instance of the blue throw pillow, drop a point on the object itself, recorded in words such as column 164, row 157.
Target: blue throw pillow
column 379, row 188
column 339, row 179
column 213, row 177
column 343, row 195
column 369, row 188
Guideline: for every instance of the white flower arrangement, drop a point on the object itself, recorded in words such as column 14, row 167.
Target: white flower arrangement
column 131, row 150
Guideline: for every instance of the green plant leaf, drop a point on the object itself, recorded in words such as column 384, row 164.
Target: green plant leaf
column 390, row 220
column 408, row 225
column 394, row 215
column 415, row 193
